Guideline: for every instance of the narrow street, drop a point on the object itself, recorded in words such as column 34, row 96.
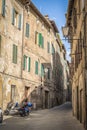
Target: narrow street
column 58, row 118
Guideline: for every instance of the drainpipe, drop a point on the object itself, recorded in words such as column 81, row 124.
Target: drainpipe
column 22, row 43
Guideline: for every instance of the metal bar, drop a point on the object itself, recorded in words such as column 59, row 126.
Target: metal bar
column 71, row 39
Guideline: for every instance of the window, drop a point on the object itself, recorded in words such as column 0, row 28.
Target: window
column 19, row 22
column 29, row 64
column 14, row 54
column 27, row 30
column 0, row 45
column 36, row 68
column 48, row 73
column 42, row 70
column 26, row 63
column 53, row 49
column 40, row 40
column 12, row 92
column 48, row 47
column 3, row 7
column 36, row 37
column 16, row 18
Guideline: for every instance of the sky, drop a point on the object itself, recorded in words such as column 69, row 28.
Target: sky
column 56, row 10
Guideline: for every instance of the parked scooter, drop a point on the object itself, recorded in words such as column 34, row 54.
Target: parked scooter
column 12, row 108
column 25, row 109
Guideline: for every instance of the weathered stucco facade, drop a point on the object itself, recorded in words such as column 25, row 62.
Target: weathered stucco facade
column 77, row 23
column 29, row 49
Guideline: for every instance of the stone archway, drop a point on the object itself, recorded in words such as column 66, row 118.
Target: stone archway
column 1, row 93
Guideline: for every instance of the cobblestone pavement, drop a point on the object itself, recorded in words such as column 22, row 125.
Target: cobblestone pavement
column 57, row 118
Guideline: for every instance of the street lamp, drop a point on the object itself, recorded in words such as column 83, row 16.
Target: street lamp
column 46, row 70
column 66, row 34
column 65, row 31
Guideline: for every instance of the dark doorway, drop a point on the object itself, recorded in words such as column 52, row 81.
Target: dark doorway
column 81, row 97
column 46, row 99
column 77, row 103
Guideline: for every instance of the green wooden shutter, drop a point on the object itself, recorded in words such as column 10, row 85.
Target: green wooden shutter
column 53, row 49
column 3, row 7
column 19, row 22
column 13, row 16
column 27, row 30
column 48, row 47
column 36, row 67
column 29, row 64
column 16, row 51
column 42, row 41
column 14, row 54
column 42, row 70
column 0, row 45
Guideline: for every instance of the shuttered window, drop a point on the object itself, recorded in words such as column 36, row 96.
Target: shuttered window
column 36, row 67
column 14, row 54
column 13, row 16
column 0, row 45
column 27, row 30
column 3, row 7
column 29, row 64
column 16, row 18
column 48, row 47
column 19, row 22
column 42, row 70
column 26, row 63
column 48, row 73
column 36, row 37
column 41, row 40
column 53, row 49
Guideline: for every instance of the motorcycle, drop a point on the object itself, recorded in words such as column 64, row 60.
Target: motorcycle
column 12, row 109
column 24, row 111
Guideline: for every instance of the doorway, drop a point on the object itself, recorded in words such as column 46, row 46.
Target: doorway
column 81, row 103
column 77, row 103
column 46, row 99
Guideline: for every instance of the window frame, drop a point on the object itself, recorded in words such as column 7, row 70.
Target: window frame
column 27, row 30
column 15, row 53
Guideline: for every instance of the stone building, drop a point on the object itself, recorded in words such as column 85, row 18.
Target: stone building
column 29, row 56
column 76, row 21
